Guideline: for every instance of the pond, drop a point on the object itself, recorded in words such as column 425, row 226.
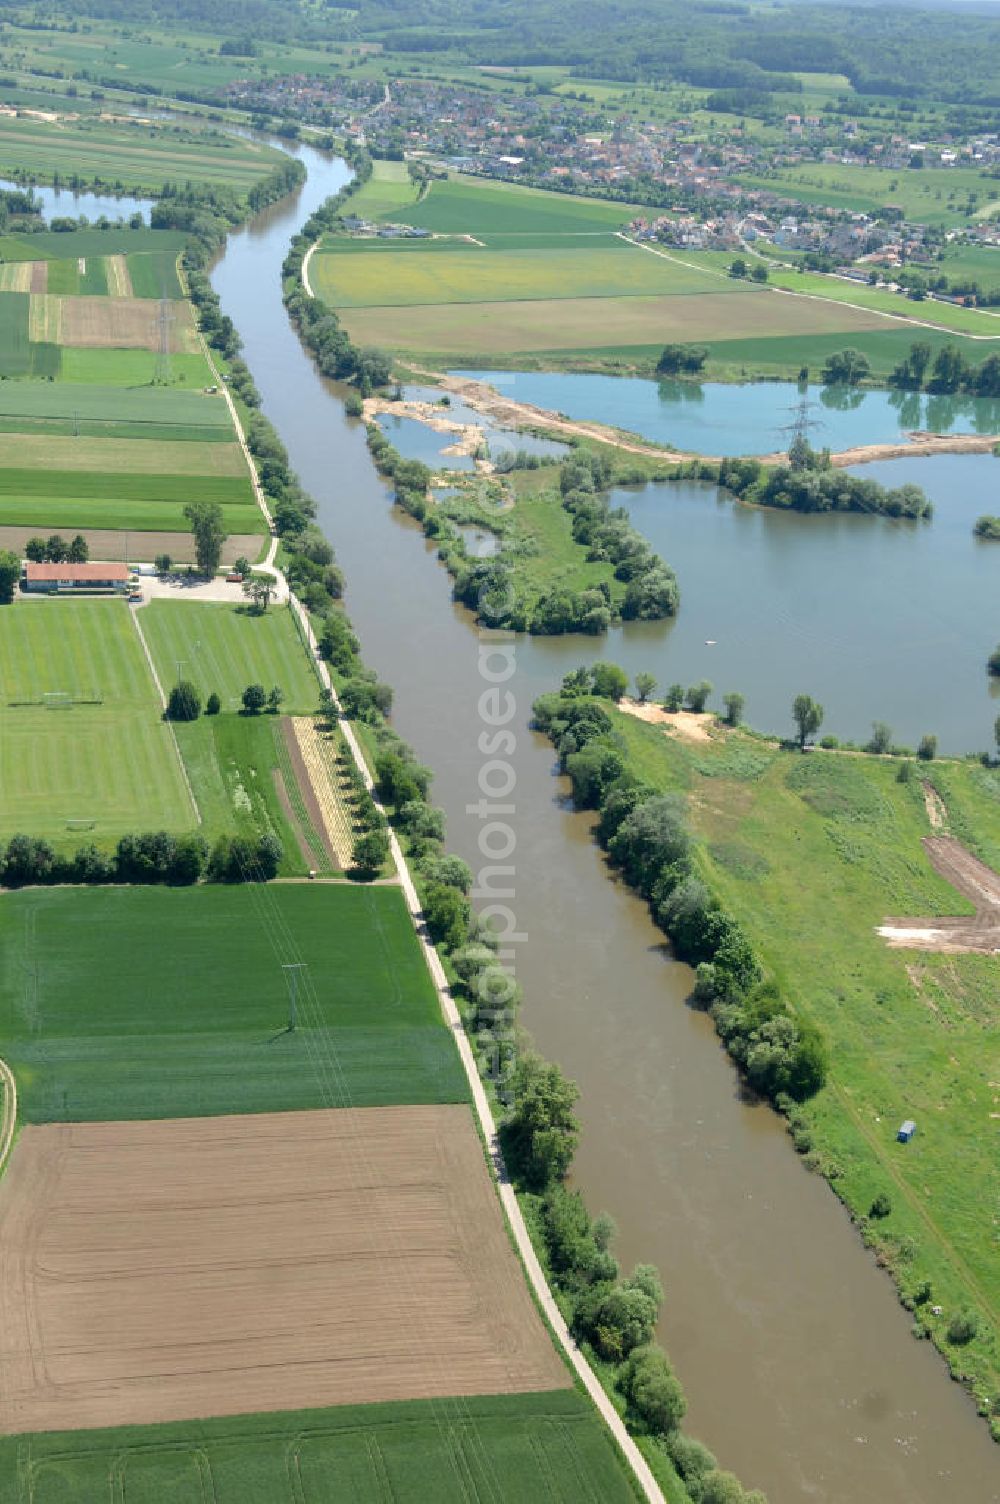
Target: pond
column 719, row 419
column 64, row 203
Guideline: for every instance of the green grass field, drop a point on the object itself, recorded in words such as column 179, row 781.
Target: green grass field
column 225, row 648
column 130, row 458
column 120, row 1003
column 66, row 245
column 388, row 193
column 778, row 355
column 144, row 405
column 548, row 1447
column 948, row 315
column 471, row 206
column 115, row 763
column 233, row 763
column 811, row 854
column 138, row 157
column 591, row 267
column 54, row 499
column 928, row 195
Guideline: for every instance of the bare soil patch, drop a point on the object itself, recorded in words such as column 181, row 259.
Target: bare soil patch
column 312, row 759
column 123, row 323
column 683, row 723
column 119, row 277
column 112, row 543
column 937, row 813
column 976, row 882
column 334, row 850
column 173, row 1270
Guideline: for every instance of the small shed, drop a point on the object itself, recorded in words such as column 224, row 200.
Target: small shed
column 907, row 1131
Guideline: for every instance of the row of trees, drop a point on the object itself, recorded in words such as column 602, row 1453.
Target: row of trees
column 948, row 371
column 646, row 836
column 149, row 857
column 615, row 1316
column 55, row 550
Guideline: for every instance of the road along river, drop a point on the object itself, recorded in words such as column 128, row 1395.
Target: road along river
column 798, row 1363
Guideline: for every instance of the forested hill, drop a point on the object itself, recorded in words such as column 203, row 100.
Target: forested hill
column 899, row 50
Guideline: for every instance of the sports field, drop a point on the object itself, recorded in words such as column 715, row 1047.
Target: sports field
column 548, row 1448
column 120, row 1003
column 96, row 770
column 225, row 648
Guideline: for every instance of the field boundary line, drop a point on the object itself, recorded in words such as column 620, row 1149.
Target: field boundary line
column 134, row 614
column 508, row 1198
column 8, row 1119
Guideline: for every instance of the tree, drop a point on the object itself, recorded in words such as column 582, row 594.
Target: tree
column 677, row 359
column 846, row 368
column 610, row 682
column 927, row 751
column 734, row 704
column 759, row 273
column 807, row 714
column 213, row 704
column 992, row 662
column 541, row 1134
column 162, row 563
column 188, row 860
column 653, row 1390
column 274, row 700
column 10, row 573
column 254, row 699
column 208, row 526
column 34, row 550
column 738, row 267
column 881, row 738
column 258, row 590
column 644, row 686
column 370, row 851
column 674, row 698
column 242, row 567
column 996, row 734
column 79, row 550
column 56, row 549
column 184, row 703
column 697, row 696
column 446, row 911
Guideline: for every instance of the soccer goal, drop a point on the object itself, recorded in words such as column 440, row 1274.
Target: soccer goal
column 80, row 824
column 57, row 699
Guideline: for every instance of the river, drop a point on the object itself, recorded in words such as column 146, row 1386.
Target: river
column 797, row 1360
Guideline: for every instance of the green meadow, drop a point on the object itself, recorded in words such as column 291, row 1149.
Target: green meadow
column 548, row 1448
column 224, row 648
column 131, row 1002
column 96, row 770
column 811, row 854
column 140, row 157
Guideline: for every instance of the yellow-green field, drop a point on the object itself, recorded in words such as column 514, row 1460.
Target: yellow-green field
column 565, row 324
column 30, row 451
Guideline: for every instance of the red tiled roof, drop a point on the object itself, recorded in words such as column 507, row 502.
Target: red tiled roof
column 77, row 571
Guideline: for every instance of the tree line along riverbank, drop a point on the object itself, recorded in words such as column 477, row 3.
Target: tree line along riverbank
column 771, row 873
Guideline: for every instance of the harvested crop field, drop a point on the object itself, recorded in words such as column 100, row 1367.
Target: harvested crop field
column 17, row 276
column 108, row 323
column 170, row 1270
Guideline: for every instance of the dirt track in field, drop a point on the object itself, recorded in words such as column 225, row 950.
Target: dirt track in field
column 173, row 1270
column 976, row 882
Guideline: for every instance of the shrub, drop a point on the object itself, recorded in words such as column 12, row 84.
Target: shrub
column 962, row 1327
column 254, row 699
column 880, row 1207
column 213, row 704
column 184, row 702
column 927, row 749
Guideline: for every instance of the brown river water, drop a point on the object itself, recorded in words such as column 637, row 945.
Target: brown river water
column 798, row 1363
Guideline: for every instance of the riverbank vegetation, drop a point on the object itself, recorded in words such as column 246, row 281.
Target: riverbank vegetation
column 800, row 859
column 566, row 561
column 807, row 483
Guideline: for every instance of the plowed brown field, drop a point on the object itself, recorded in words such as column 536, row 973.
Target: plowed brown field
column 214, row 1266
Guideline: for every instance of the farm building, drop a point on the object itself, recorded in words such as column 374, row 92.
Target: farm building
column 52, row 579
